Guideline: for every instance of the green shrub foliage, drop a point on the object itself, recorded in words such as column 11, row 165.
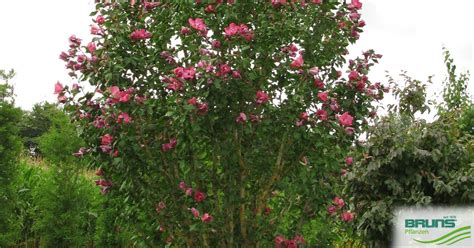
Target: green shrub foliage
column 63, row 197
column 64, row 209
column 61, row 141
column 10, row 147
column 409, row 162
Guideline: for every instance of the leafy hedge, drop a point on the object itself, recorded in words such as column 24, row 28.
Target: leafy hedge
column 408, row 164
column 10, row 146
column 407, row 161
column 9, row 150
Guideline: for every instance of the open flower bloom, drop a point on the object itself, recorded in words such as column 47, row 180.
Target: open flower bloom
column 357, row 4
column 120, row 96
column 236, row 74
column 58, row 88
column 106, row 139
column 206, row 218
column 174, row 84
column 192, row 101
column 64, row 56
column 279, row 240
column 100, row 19
column 241, row 118
column 346, row 119
column 242, row 30
column 182, row 185
column 322, row 114
column 124, row 118
column 323, row 96
column 224, row 69
column 199, row 196
column 332, row 209
column 261, row 97
column 197, row 24
column 185, row 73
column 74, row 41
column 232, row 29
column 347, row 216
column 91, row 47
column 202, row 108
column 349, row 160
column 338, row 202
column 334, row 105
column 297, row 63
column 188, row 191
column 105, row 148
column 353, row 76
column 140, row 34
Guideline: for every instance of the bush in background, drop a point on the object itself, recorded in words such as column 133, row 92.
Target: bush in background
column 63, row 197
column 35, row 123
column 10, row 147
column 61, row 140
column 408, row 161
column 26, row 184
column 65, row 214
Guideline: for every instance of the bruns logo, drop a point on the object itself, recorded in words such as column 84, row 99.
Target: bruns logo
column 433, row 226
column 423, row 226
column 430, row 223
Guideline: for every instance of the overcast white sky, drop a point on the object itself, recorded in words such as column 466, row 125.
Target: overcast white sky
column 409, row 33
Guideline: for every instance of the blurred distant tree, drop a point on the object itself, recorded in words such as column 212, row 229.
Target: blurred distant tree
column 411, row 95
column 6, row 89
column 36, row 122
column 455, row 94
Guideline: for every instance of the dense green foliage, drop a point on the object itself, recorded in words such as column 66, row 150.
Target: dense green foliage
column 6, row 89
column 63, row 197
column 55, row 207
column 36, row 122
column 63, row 201
column 27, row 182
column 409, row 162
column 61, row 140
column 455, row 91
column 10, row 146
column 467, row 120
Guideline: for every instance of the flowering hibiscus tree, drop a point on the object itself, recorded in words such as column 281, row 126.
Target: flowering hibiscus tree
column 211, row 121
